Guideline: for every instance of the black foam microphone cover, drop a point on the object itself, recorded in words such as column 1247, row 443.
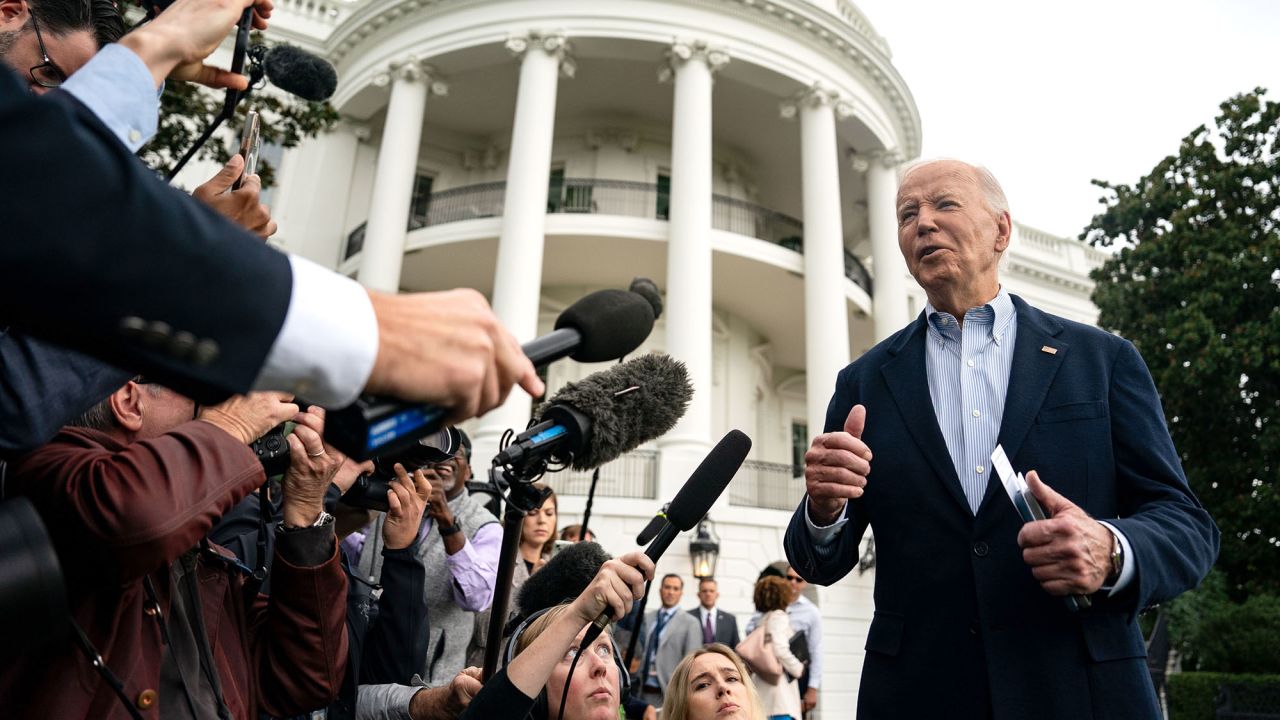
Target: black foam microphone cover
column 645, row 288
column 628, row 404
column 612, row 323
column 563, row 578
column 708, row 482
column 300, row 73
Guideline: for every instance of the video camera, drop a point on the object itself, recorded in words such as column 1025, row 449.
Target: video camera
column 370, row 490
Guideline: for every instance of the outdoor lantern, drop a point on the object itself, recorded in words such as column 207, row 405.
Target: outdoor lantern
column 704, row 550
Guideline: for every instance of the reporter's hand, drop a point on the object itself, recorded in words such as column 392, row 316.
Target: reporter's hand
column 447, row 348
column 312, row 465
column 348, row 472
column 176, row 43
column 249, row 417
column 240, row 206
column 406, row 500
column 446, row 703
column 618, row 583
column 836, row 468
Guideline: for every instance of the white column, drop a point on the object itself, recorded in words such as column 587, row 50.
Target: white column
column 384, row 237
column 826, row 314
column 313, row 204
column 889, row 284
column 517, row 281
column 689, row 289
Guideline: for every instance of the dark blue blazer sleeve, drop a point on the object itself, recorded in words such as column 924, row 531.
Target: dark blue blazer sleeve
column 43, row 387
column 99, row 255
column 1174, row 539
column 397, row 638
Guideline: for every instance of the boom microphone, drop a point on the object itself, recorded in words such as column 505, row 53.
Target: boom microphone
column 563, row 578
column 604, row 325
column 592, row 421
column 300, row 73
column 690, row 505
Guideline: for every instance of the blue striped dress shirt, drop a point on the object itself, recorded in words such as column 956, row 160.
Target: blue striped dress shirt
column 968, row 368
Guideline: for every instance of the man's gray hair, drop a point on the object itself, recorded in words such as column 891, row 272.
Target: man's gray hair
column 991, row 190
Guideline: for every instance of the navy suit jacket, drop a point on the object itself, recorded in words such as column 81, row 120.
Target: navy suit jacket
column 726, row 629
column 99, row 255
column 961, row 628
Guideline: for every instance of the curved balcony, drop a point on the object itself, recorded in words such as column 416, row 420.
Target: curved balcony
column 592, row 196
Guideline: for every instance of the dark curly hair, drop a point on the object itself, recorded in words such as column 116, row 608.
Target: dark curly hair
column 772, row 593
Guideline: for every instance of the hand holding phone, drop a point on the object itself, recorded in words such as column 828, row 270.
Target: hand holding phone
column 250, row 144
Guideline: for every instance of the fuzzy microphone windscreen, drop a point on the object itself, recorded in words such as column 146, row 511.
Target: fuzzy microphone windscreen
column 297, row 71
column 628, row 404
column 563, row 578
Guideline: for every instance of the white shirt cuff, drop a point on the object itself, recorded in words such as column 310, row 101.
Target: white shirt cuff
column 329, row 341
column 1130, row 565
column 825, row 534
column 118, row 88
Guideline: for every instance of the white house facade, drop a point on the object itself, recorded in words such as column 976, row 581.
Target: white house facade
column 744, row 154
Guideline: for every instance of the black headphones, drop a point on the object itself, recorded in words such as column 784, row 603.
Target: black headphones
column 541, row 709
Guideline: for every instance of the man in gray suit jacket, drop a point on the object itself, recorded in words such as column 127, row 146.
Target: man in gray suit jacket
column 666, row 636
column 716, row 625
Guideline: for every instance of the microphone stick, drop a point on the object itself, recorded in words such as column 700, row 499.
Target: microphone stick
column 689, row 506
column 603, row 325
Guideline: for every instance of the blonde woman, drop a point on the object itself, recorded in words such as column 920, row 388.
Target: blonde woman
column 781, row 699
column 711, row 683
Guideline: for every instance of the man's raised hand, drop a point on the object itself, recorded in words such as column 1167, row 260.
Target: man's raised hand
column 836, row 468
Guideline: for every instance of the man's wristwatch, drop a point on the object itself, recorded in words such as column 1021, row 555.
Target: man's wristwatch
column 446, row 531
column 1117, row 558
column 323, row 519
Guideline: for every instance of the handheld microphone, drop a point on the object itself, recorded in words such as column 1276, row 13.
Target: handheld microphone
column 300, row 73
column 563, row 578
column 603, row 325
column 592, row 421
column 690, row 505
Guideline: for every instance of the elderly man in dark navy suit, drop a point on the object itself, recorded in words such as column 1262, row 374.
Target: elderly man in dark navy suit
column 969, row 617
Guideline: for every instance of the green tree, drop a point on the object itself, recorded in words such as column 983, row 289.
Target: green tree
column 1195, row 285
column 187, row 110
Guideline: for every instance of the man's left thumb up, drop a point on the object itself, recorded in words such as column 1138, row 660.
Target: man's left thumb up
column 1050, row 500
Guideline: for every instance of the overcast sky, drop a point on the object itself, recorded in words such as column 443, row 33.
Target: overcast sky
column 1050, row 95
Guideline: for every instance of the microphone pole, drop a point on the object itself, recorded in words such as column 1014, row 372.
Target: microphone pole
column 522, row 498
column 233, row 98
column 591, row 496
column 637, row 687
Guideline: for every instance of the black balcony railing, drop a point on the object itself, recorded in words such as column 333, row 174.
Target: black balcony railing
column 752, row 220
column 616, row 197
column 633, row 475
column 766, row 485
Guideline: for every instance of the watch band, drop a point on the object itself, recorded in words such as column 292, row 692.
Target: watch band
column 456, row 527
column 1117, row 557
column 323, row 519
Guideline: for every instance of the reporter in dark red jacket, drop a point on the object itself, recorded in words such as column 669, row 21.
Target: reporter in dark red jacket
column 128, row 499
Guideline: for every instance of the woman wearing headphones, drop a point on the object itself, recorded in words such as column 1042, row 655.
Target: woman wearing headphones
column 532, row 683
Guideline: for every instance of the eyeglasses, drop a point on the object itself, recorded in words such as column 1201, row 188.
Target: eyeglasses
column 794, row 579
column 46, row 74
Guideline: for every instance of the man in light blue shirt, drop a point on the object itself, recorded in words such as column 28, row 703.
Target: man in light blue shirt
column 969, row 620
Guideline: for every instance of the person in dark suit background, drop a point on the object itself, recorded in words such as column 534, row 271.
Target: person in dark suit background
column 969, row 616
column 717, row 625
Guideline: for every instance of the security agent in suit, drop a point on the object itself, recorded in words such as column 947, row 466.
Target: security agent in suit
column 721, row 627
column 970, row 620
column 83, row 203
column 666, row 636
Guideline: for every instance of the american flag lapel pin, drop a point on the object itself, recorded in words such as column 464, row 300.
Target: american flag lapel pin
column 1049, row 350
